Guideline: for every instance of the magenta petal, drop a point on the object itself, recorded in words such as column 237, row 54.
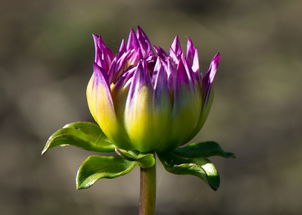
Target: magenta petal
column 132, row 41
column 174, row 56
column 208, row 78
column 171, row 73
column 135, row 56
column 192, row 56
column 213, row 68
column 176, row 47
column 140, row 78
column 126, row 78
column 188, row 69
column 122, row 48
column 98, row 80
column 119, row 65
column 160, row 85
column 181, row 76
column 102, row 107
column 103, row 55
column 160, row 52
column 144, row 42
column 97, row 39
column 138, row 110
column 160, row 77
column 100, row 75
column 122, row 60
column 112, row 70
column 190, row 50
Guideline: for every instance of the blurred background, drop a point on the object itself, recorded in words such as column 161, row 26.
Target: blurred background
column 46, row 55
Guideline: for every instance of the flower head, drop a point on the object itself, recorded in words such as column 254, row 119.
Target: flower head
column 147, row 99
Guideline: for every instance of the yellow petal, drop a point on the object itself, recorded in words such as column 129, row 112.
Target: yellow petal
column 102, row 109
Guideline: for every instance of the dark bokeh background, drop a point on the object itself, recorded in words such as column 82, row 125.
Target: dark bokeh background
column 46, row 55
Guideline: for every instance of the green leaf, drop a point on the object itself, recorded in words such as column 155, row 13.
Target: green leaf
column 144, row 160
column 98, row 167
column 203, row 149
column 85, row 135
column 200, row 167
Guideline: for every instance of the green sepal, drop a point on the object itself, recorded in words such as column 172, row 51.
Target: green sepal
column 203, row 149
column 97, row 167
column 86, row 135
column 199, row 166
column 144, row 160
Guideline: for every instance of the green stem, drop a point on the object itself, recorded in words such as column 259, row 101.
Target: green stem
column 147, row 191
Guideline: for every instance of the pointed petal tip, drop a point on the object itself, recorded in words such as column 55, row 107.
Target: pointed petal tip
column 132, row 33
column 100, row 74
column 141, row 33
column 97, row 38
column 94, row 35
column 176, row 38
column 176, row 42
column 176, row 46
column 189, row 40
column 190, row 45
column 216, row 58
column 213, row 67
column 122, row 47
column 139, row 28
column 132, row 42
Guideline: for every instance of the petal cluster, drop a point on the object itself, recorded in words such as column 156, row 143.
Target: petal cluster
column 147, row 99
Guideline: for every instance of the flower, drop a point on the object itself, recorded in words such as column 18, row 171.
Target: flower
column 147, row 99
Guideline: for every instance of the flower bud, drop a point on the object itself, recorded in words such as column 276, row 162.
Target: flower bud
column 146, row 99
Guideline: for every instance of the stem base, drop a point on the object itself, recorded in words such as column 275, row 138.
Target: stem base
column 147, row 191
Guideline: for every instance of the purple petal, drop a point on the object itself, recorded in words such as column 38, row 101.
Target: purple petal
column 176, row 47
column 170, row 69
column 174, row 56
column 132, row 41
column 213, row 68
column 141, row 78
column 103, row 55
column 97, row 39
column 100, row 75
column 98, row 80
column 159, row 74
column 126, row 78
column 122, row 60
column 138, row 111
column 112, row 71
column 187, row 105
column 102, row 108
column 208, row 78
column 188, row 69
column 118, row 66
column 162, row 105
column 135, row 56
column 192, row 56
column 144, row 42
column 181, row 76
column 160, row 81
column 190, row 50
column 122, row 48
column 160, row 52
